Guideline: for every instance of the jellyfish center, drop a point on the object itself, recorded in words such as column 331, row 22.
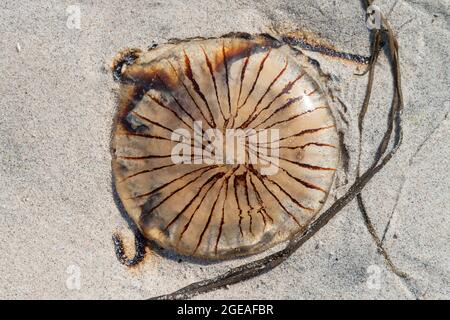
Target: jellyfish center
column 247, row 147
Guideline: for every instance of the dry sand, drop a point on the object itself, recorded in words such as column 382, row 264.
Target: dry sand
column 57, row 212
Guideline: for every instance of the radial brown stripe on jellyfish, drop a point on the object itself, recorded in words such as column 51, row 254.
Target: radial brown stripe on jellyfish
column 223, row 147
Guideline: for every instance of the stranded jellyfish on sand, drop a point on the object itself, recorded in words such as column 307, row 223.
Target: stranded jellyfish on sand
column 231, row 108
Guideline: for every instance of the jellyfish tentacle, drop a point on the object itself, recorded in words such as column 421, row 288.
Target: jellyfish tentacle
column 139, row 255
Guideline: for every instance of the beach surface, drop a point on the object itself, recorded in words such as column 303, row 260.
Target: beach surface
column 58, row 99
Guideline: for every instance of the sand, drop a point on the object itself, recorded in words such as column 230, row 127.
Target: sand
column 57, row 211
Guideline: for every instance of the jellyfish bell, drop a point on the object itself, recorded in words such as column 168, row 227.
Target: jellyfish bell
column 249, row 125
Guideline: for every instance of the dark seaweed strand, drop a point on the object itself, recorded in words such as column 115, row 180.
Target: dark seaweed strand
column 261, row 266
column 396, row 107
column 324, row 50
